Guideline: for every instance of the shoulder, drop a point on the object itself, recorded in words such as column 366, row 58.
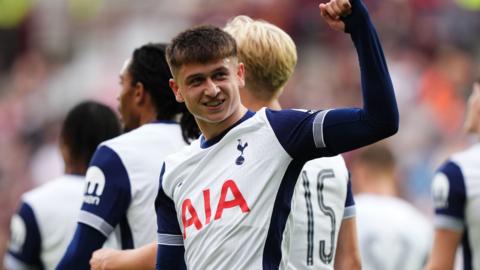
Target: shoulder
column 181, row 157
column 467, row 160
column 44, row 193
column 149, row 139
column 335, row 162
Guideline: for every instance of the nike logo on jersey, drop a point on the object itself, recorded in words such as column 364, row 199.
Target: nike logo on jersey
column 94, row 187
column 229, row 189
column 241, row 148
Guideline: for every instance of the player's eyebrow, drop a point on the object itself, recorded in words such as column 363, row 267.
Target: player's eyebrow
column 203, row 75
column 192, row 77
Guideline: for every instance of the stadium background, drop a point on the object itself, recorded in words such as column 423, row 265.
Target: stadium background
column 55, row 53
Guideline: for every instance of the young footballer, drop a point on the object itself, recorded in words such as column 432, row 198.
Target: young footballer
column 225, row 199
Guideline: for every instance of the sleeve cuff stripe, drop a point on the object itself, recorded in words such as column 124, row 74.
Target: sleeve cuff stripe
column 169, row 239
column 446, row 222
column 96, row 222
column 349, row 212
column 318, row 129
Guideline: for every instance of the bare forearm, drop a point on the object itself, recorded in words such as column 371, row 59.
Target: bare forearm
column 348, row 254
column 444, row 248
column 132, row 259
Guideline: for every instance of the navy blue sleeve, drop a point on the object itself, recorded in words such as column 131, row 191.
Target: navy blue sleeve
column 85, row 241
column 348, row 129
column 25, row 241
column 107, row 193
column 326, row 133
column 170, row 250
column 349, row 201
column 106, row 200
column 449, row 196
column 349, row 210
column 170, row 257
column 294, row 130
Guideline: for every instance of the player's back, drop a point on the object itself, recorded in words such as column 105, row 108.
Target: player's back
column 318, row 207
column 48, row 222
column 456, row 191
column 392, row 233
column 124, row 196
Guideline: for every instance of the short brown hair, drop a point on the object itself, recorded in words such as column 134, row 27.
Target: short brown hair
column 377, row 156
column 200, row 44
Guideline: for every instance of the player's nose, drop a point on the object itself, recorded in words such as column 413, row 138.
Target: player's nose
column 211, row 88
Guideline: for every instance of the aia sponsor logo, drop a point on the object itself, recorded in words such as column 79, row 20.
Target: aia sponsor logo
column 237, row 203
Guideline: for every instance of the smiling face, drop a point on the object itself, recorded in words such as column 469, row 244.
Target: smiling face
column 211, row 93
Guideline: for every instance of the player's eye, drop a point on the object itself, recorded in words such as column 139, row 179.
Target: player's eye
column 220, row 75
column 197, row 81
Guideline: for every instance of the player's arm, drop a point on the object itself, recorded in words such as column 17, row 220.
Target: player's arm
column 330, row 132
column 25, row 241
column 347, row 255
column 142, row 258
column 448, row 189
column 106, row 200
column 347, row 129
column 170, row 250
column 444, row 249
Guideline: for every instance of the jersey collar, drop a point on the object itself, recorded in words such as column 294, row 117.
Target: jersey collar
column 205, row 144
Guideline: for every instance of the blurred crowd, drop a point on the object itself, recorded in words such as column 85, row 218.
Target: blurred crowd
column 54, row 54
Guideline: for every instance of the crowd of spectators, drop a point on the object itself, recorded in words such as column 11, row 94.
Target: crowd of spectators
column 55, row 53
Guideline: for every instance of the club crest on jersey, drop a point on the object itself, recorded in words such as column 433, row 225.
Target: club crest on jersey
column 240, row 159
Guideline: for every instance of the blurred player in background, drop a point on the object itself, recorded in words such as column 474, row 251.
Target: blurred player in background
column 456, row 194
column 265, row 78
column 393, row 234
column 123, row 174
column 226, row 198
column 46, row 220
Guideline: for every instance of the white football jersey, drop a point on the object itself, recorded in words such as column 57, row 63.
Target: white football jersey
column 456, row 194
column 122, row 182
column 321, row 200
column 392, row 233
column 230, row 197
column 45, row 223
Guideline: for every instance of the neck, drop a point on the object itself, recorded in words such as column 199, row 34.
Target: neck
column 78, row 169
column 211, row 130
column 382, row 185
column 255, row 104
column 148, row 115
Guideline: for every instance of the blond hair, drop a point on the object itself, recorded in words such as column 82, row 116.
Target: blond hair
column 268, row 53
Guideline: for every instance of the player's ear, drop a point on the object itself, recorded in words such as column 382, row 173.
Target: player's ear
column 241, row 74
column 139, row 93
column 176, row 90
